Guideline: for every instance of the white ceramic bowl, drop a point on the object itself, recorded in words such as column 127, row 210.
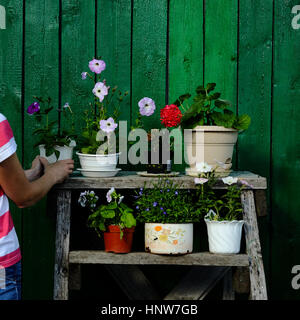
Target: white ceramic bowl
column 98, row 161
column 90, row 173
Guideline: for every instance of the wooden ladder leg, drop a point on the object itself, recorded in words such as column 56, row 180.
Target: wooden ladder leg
column 61, row 269
column 228, row 291
column 258, row 290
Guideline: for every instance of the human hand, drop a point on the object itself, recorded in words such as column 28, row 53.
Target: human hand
column 59, row 170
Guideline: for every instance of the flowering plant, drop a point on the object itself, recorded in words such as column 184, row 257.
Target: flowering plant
column 115, row 212
column 98, row 119
column 208, row 109
column 48, row 132
column 224, row 207
column 170, row 116
column 164, row 203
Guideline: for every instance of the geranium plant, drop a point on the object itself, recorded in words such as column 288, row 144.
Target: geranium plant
column 164, row 203
column 208, row 109
column 103, row 112
column 114, row 212
column 48, row 131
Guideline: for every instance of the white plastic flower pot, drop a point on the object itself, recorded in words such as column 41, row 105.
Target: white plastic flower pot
column 98, row 162
column 169, row 238
column 65, row 152
column 213, row 145
column 224, row 236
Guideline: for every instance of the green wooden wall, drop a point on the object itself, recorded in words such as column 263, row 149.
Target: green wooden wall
column 162, row 48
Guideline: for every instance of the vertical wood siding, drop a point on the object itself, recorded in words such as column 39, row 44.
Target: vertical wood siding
column 160, row 49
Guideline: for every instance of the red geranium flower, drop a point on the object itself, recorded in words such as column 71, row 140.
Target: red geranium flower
column 170, row 115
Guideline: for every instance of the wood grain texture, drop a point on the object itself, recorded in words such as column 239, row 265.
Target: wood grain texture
column 149, row 49
column 143, row 258
column 11, row 83
column 285, row 149
column 62, row 243
column 41, row 79
column 258, row 287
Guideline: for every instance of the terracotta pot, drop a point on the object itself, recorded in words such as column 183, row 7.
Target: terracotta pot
column 112, row 241
column 213, row 145
column 169, row 238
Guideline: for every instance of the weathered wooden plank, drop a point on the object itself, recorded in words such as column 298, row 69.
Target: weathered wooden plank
column 197, row 283
column 74, row 277
column 129, row 180
column 133, row 282
column 11, row 83
column 149, row 47
column 256, row 268
column 143, row 258
column 228, row 291
column 62, row 243
column 41, row 78
column 241, row 280
column 261, row 203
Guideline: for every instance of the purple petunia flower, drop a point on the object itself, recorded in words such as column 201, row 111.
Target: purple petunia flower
column 33, row 108
column 100, row 90
column 176, row 193
column 108, row 125
column 154, row 204
column 147, row 209
column 161, row 208
column 83, row 75
column 97, row 66
column 147, row 106
column 165, row 212
column 137, row 207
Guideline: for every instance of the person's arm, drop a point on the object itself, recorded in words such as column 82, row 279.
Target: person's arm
column 24, row 193
column 35, row 171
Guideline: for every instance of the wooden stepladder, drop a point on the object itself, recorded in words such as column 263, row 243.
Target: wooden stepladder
column 206, row 269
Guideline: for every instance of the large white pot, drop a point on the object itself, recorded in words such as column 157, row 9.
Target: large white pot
column 213, row 145
column 98, row 161
column 65, row 152
column 224, row 236
column 169, row 238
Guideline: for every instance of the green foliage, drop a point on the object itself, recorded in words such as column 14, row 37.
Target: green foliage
column 115, row 212
column 208, row 109
column 165, row 203
column 48, row 133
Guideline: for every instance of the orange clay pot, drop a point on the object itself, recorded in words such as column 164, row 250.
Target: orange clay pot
column 112, row 241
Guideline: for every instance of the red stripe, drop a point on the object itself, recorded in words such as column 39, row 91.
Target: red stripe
column 6, row 133
column 10, row 258
column 1, row 192
column 6, row 224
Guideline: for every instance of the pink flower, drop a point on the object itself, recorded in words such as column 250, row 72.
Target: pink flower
column 108, row 125
column 100, row 90
column 200, row 180
column 97, row 66
column 147, row 106
column 83, row 75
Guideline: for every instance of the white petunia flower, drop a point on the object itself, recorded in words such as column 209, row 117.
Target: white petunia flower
column 109, row 193
column 121, row 199
column 230, row 180
column 100, row 90
column 203, row 167
column 200, row 180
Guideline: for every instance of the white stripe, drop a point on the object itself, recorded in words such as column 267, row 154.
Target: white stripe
column 8, row 149
column 2, row 117
column 4, row 205
column 9, row 243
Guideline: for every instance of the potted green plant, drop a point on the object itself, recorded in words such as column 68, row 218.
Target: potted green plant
column 98, row 154
column 114, row 219
column 224, row 214
column 53, row 144
column 168, row 218
column 214, row 128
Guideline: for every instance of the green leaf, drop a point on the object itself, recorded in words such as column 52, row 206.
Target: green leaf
column 48, row 110
column 129, row 220
column 215, row 96
column 182, row 98
column 108, row 214
column 223, row 119
column 242, row 122
column 210, row 87
column 222, row 104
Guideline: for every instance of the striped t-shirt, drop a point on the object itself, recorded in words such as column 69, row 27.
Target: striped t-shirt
column 9, row 244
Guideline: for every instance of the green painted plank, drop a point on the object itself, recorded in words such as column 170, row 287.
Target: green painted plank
column 285, row 142
column 11, row 83
column 149, row 47
column 41, row 79
column 185, row 50
column 114, row 47
column 77, row 49
column 221, row 30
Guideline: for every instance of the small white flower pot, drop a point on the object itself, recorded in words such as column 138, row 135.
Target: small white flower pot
column 169, row 238
column 98, row 162
column 65, row 152
column 224, row 236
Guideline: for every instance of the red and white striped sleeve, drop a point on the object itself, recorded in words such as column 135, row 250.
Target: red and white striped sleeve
column 8, row 144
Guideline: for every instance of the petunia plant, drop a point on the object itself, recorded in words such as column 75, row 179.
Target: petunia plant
column 208, row 109
column 48, row 132
column 103, row 113
column 115, row 212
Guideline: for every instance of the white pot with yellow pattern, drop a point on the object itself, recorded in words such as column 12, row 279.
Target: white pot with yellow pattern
column 169, row 238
